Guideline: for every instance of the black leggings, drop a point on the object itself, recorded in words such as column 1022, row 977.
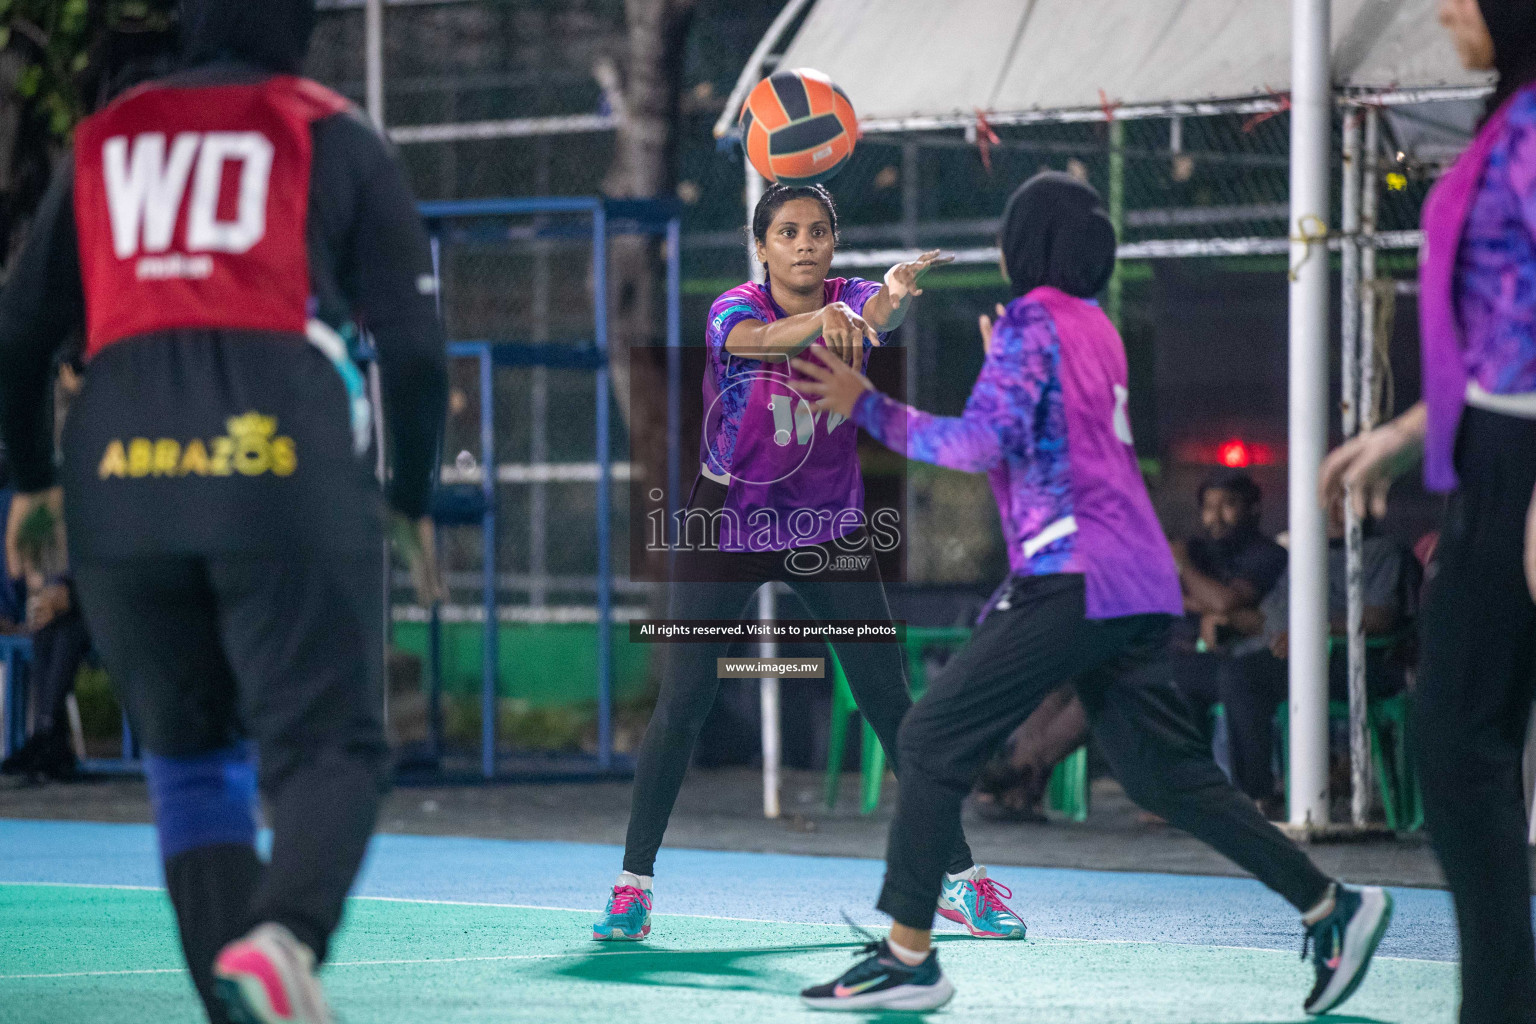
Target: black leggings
column 1018, row 656
column 287, row 652
column 719, row 585
column 1471, row 711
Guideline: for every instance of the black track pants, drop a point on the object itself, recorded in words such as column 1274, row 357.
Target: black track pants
column 717, row 585
column 1017, row 657
column 1471, row 712
column 286, row 652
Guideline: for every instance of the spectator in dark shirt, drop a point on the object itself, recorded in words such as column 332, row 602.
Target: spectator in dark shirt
column 13, row 600
column 60, row 641
column 1225, row 572
column 1231, row 565
column 1253, row 686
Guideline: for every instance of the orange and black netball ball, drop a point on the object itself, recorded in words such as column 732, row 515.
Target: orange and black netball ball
column 798, row 128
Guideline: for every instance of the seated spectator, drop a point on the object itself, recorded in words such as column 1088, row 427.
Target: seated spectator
column 1224, row 572
column 60, row 642
column 13, row 599
column 59, row 646
column 1255, row 683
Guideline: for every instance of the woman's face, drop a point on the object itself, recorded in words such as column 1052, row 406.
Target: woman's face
column 798, row 248
column 1463, row 21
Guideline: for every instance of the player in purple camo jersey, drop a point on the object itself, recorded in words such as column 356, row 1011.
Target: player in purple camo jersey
column 1089, row 601
column 780, row 498
column 1476, row 432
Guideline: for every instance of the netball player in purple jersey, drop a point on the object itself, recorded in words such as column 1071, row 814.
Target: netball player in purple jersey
column 1476, row 432
column 779, row 498
column 1090, row 599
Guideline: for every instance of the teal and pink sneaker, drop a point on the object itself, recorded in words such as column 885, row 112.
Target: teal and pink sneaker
column 628, row 916
column 976, row 902
column 268, row 977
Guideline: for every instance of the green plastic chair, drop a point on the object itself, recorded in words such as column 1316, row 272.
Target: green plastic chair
column 1402, row 801
column 1068, row 789
column 920, row 639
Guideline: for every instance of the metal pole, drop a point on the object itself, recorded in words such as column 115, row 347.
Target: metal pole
column 911, row 209
column 754, row 191
column 767, row 600
column 373, row 57
column 1349, row 308
column 1370, row 201
column 435, row 624
column 768, row 699
column 1365, row 308
column 1311, row 123
column 752, row 70
column 1116, row 213
column 674, row 366
column 538, row 401
column 604, row 495
column 381, row 469
column 489, row 638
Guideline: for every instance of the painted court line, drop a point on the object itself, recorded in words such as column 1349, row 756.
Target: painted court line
column 585, row 953
column 588, row 954
column 384, row 963
column 91, row 885
column 94, row 974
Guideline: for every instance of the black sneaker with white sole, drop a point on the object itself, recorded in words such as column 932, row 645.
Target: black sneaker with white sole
column 882, row 982
column 1343, row 944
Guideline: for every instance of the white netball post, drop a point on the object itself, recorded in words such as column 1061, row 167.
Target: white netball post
column 1311, row 131
column 1350, row 405
column 767, row 599
column 373, row 59
column 768, row 698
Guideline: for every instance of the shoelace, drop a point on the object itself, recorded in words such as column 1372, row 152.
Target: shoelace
column 992, row 895
column 626, row 896
column 872, row 942
column 1306, row 940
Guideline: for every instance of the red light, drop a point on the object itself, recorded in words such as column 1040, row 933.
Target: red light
column 1234, row 454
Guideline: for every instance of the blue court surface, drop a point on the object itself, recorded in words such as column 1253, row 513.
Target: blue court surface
column 461, row 929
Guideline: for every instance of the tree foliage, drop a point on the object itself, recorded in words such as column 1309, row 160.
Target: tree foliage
column 54, row 58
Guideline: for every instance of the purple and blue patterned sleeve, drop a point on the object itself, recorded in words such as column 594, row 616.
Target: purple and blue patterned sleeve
column 998, row 416
column 728, row 310
column 1521, row 168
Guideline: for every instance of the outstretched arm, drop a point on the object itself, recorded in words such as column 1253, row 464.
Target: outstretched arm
column 996, row 419
column 887, row 309
column 970, row 442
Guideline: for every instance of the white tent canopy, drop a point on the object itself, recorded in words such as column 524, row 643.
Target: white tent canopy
column 1021, row 57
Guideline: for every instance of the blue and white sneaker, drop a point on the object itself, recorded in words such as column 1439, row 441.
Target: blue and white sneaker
column 976, row 901
column 628, row 916
column 882, row 982
column 1343, row 944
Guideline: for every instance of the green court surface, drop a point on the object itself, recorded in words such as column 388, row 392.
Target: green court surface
column 94, row 955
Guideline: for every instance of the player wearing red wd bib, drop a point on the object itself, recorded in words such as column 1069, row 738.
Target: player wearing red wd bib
column 216, row 236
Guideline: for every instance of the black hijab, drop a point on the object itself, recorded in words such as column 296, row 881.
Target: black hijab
column 1055, row 232
column 272, row 34
column 1512, row 25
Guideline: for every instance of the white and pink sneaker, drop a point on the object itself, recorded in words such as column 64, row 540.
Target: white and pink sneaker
column 268, row 977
